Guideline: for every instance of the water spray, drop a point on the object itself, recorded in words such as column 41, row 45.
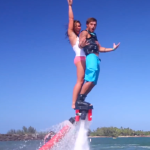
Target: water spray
column 76, row 130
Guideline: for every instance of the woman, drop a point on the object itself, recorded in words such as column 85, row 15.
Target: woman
column 74, row 28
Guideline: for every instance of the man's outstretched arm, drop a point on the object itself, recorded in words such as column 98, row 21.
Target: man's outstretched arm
column 104, row 49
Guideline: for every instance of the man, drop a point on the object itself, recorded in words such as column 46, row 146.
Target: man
column 91, row 50
column 48, row 136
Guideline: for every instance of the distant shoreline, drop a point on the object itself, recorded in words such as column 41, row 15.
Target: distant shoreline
column 23, row 137
column 20, row 137
column 117, row 136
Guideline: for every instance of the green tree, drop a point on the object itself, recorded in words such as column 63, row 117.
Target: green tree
column 12, row 131
column 31, row 130
column 25, row 130
column 19, row 132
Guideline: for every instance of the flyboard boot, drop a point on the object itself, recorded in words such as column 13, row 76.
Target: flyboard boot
column 83, row 108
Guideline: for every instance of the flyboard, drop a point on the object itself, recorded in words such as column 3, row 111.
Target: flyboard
column 81, row 113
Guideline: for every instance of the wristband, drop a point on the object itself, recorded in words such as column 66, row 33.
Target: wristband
column 113, row 49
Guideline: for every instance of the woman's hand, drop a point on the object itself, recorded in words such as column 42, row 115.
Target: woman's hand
column 70, row 2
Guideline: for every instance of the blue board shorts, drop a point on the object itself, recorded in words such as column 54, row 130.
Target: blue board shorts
column 92, row 68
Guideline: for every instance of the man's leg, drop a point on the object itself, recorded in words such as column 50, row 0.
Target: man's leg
column 91, row 76
column 87, row 87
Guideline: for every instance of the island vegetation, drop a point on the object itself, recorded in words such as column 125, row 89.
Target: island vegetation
column 115, row 132
column 103, row 131
column 25, row 130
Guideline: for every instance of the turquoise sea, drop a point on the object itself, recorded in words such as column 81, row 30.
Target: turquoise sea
column 139, row 143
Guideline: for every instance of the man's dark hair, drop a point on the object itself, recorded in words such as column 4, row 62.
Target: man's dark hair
column 91, row 20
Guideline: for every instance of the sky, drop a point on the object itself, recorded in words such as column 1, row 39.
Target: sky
column 37, row 73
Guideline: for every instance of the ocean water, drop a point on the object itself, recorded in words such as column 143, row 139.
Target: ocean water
column 137, row 143
column 134, row 143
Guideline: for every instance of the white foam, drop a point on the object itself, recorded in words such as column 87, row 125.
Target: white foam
column 75, row 139
column 82, row 138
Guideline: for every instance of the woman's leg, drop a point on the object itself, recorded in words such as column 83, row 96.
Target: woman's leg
column 80, row 79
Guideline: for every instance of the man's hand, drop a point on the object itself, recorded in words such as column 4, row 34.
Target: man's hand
column 70, row 2
column 115, row 46
column 83, row 43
